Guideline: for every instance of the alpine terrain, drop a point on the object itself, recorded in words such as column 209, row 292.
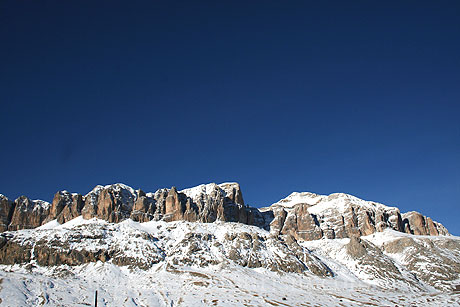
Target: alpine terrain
column 203, row 246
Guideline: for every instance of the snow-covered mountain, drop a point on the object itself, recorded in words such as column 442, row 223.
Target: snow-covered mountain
column 308, row 216
column 204, row 246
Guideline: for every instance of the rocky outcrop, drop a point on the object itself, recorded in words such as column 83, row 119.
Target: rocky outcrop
column 308, row 216
column 65, row 207
column 144, row 208
column 111, row 203
column 127, row 244
column 300, row 224
column 174, row 206
column 304, row 216
column 433, row 260
column 417, row 224
column 12, row 251
column 28, row 213
column 6, row 212
column 72, row 209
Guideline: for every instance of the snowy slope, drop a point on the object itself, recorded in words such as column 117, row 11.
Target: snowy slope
column 321, row 203
column 222, row 264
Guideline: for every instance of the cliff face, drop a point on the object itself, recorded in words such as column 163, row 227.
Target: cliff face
column 118, row 202
column 304, row 216
column 308, row 216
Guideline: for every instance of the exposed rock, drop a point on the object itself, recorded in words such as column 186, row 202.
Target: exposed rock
column 434, row 261
column 416, row 223
column 175, row 206
column 28, row 213
column 305, row 216
column 111, row 203
column 313, row 263
column 191, row 211
column 301, row 224
column 213, row 202
column 60, row 200
column 356, row 248
column 6, row 212
column 12, row 252
column 144, row 208
column 308, row 216
column 71, row 210
column 51, row 255
column 124, row 245
column 279, row 217
column 65, row 207
column 376, row 263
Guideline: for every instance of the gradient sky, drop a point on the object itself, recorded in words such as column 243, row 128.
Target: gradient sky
column 361, row 97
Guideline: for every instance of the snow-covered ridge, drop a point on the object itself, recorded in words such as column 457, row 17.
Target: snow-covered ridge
column 320, row 203
column 307, row 216
column 225, row 188
column 297, row 198
column 206, row 189
column 117, row 187
column 41, row 204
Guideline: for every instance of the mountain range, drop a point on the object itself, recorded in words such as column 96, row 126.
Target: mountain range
column 205, row 246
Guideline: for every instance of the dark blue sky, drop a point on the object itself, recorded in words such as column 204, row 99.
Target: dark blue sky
column 361, row 97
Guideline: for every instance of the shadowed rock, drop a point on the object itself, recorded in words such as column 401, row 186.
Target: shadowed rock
column 6, row 212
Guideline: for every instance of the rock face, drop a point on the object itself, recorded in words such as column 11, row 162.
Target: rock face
column 308, row 216
column 417, row 224
column 118, row 202
column 428, row 258
column 6, row 212
column 111, row 203
column 65, row 207
column 28, row 213
column 304, row 216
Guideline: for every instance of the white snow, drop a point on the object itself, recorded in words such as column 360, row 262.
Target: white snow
column 206, row 189
column 191, row 286
column 224, row 284
column 299, row 197
column 195, row 192
column 50, row 225
column 41, row 204
column 321, row 203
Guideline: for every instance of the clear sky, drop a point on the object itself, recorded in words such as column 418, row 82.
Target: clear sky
column 361, row 97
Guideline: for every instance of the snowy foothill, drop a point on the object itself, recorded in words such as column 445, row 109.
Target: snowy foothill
column 202, row 274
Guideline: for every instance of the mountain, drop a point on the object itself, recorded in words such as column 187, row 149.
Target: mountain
column 204, row 246
column 306, row 216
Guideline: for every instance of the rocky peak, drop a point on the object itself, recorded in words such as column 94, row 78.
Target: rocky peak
column 6, row 212
column 416, row 223
column 233, row 192
column 303, row 215
column 28, row 213
column 298, row 198
column 112, row 203
column 308, row 216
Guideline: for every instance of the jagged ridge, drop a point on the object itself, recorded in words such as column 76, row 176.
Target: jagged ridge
column 305, row 216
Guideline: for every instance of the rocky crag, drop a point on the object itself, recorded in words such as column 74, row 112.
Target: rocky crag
column 305, row 216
